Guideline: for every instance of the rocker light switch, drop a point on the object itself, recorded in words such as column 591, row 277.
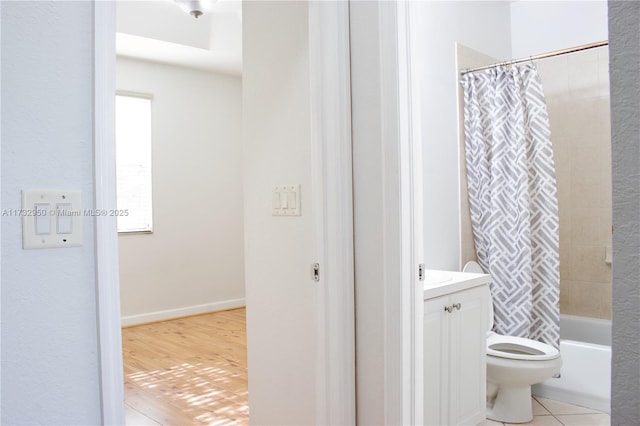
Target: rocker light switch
column 286, row 200
column 42, row 218
column 51, row 219
column 64, row 218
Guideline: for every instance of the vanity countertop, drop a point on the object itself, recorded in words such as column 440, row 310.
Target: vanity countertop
column 438, row 283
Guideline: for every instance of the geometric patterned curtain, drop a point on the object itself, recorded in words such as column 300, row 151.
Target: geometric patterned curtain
column 513, row 198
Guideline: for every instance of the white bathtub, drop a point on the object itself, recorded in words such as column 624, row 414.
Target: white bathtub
column 585, row 377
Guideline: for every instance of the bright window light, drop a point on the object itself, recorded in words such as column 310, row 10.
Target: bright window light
column 133, row 163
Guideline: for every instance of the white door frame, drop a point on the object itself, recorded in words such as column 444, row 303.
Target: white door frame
column 330, row 69
column 106, row 235
column 331, row 111
column 388, row 207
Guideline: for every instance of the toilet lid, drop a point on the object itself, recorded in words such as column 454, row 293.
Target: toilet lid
column 520, row 348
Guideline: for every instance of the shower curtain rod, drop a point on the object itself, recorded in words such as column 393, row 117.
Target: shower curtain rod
column 541, row 56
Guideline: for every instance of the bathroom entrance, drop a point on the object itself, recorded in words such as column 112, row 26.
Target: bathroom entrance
column 490, row 32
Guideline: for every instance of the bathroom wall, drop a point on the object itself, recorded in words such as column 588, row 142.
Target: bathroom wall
column 193, row 261
column 500, row 29
column 436, row 28
column 577, row 92
column 545, row 26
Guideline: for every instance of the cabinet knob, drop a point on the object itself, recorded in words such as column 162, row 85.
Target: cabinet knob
column 450, row 308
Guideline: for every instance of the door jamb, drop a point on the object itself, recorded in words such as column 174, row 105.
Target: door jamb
column 330, row 76
column 387, row 181
column 106, row 236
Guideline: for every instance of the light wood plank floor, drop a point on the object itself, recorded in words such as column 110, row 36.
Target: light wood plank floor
column 188, row 371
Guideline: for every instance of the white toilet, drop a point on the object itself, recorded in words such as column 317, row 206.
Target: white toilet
column 513, row 365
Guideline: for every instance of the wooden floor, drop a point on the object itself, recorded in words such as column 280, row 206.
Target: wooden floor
column 189, row 371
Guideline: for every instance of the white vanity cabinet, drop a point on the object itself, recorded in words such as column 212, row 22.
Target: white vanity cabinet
column 455, row 327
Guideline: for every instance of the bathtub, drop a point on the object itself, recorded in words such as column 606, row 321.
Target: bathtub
column 585, row 377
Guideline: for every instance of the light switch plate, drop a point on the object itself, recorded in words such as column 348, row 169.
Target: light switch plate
column 51, row 218
column 286, row 200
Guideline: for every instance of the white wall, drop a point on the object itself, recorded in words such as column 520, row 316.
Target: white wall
column 50, row 371
column 545, row 26
column 436, row 27
column 193, row 262
column 281, row 297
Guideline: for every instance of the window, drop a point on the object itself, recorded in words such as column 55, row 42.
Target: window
column 133, row 163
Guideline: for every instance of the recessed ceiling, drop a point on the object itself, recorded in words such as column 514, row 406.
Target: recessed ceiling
column 160, row 31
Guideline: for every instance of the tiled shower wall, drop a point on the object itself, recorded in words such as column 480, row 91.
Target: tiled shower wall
column 576, row 87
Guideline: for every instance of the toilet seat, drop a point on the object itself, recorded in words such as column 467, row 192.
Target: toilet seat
column 512, row 347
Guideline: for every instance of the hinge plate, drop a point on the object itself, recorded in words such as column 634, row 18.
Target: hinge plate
column 421, row 272
column 315, row 271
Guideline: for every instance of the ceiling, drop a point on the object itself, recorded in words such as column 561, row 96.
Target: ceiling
column 160, row 31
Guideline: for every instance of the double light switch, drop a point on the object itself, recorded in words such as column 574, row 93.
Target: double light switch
column 285, row 200
column 51, row 219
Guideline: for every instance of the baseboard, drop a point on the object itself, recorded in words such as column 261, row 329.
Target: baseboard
column 127, row 321
column 594, row 402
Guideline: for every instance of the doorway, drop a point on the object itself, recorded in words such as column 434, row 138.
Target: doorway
column 185, row 256
column 506, row 31
column 318, row 378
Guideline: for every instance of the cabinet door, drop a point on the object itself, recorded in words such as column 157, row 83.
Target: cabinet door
column 436, row 361
column 467, row 354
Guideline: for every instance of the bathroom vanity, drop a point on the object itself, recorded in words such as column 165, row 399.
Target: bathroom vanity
column 455, row 328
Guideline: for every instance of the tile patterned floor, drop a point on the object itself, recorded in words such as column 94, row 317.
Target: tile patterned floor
column 547, row 412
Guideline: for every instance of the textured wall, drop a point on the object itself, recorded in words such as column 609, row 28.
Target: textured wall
column 50, row 371
column 624, row 50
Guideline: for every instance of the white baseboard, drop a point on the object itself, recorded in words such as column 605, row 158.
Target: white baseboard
column 594, row 402
column 168, row 314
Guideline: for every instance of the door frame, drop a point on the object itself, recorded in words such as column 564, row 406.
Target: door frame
column 106, row 234
column 388, row 216
column 331, row 147
column 331, row 173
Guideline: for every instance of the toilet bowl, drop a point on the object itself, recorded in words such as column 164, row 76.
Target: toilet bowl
column 513, row 365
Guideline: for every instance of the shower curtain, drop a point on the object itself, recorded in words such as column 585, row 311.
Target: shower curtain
column 513, row 198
